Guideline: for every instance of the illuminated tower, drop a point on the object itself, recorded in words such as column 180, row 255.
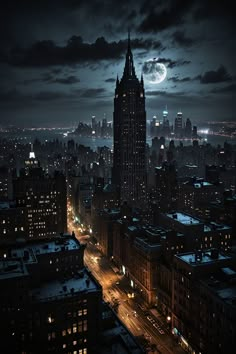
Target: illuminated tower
column 165, row 116
column 129, row 166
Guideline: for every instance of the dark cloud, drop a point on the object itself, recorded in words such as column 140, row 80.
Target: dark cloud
column 180, row 39
column 173, row 63
column 15, row 96
column 212, row 8
column 156, row 93
column 50, row 96
column 111, row 79
column 11, row 95
column 66, row 80
column 92, row 93
column 176, row 79
column 159, row 18
column 212, row 77
column 50, row 79
column 226, row 89
column 46, row 53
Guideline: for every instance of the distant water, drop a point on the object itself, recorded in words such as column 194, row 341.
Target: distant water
column 28, row 136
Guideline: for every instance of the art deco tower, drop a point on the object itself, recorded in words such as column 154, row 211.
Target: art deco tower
column 129, row 121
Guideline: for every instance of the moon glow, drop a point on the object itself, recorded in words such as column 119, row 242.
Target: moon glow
column 154, row 71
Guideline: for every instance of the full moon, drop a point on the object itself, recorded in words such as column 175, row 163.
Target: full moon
column 154, row 71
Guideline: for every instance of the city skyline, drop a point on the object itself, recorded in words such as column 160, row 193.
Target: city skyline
column 59, row 60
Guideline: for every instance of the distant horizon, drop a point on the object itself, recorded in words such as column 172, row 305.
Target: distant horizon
column 60, row 125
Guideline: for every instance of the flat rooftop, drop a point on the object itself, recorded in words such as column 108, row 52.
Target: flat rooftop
column 214, row 226
column 202, row 184
column 12, row 269
column 183, row 218
column 30, row 251
column 82, row 282
column 223, row 288
column 206, row 257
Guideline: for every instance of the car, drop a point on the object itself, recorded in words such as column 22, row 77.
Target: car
column 161, row 331
column 156, row 325
column 149, row 318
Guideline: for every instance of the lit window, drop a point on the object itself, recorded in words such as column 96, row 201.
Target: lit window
column 50, row 319
column 74, row 328
column 85, row 311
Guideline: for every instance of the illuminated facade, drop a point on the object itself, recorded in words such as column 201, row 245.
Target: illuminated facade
column 129, row 164
column 44, row 197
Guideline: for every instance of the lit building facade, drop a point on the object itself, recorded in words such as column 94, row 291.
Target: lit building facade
column 44, row 197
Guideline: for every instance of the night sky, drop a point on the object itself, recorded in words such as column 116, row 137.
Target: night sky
column 59, row 58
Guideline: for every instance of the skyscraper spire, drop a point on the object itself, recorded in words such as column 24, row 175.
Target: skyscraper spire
column 129, row 46
column 129, row 71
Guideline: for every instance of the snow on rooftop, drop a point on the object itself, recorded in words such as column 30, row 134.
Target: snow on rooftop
column 58, row 289
column 183, row 218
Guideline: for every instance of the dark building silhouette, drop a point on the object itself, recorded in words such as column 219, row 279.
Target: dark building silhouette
column 188, row 129
column 51, row 303
column 129, row 167
column 166, row 186
column 179, row 125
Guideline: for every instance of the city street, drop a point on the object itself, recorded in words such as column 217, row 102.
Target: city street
column 148, row 329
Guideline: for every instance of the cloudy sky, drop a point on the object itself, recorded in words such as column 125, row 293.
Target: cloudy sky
column 59, row 58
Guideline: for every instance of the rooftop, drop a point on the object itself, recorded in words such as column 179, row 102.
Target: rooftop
column 12, row 269
column 183, row 218
column 214, row 226
column 29, row 252
column 202, row 184
column 202, row 257
column 81, row 282
column 224, row 287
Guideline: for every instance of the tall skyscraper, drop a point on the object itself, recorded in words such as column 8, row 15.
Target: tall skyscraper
column 129, row 166
column 179, row 125
column 188, row 128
